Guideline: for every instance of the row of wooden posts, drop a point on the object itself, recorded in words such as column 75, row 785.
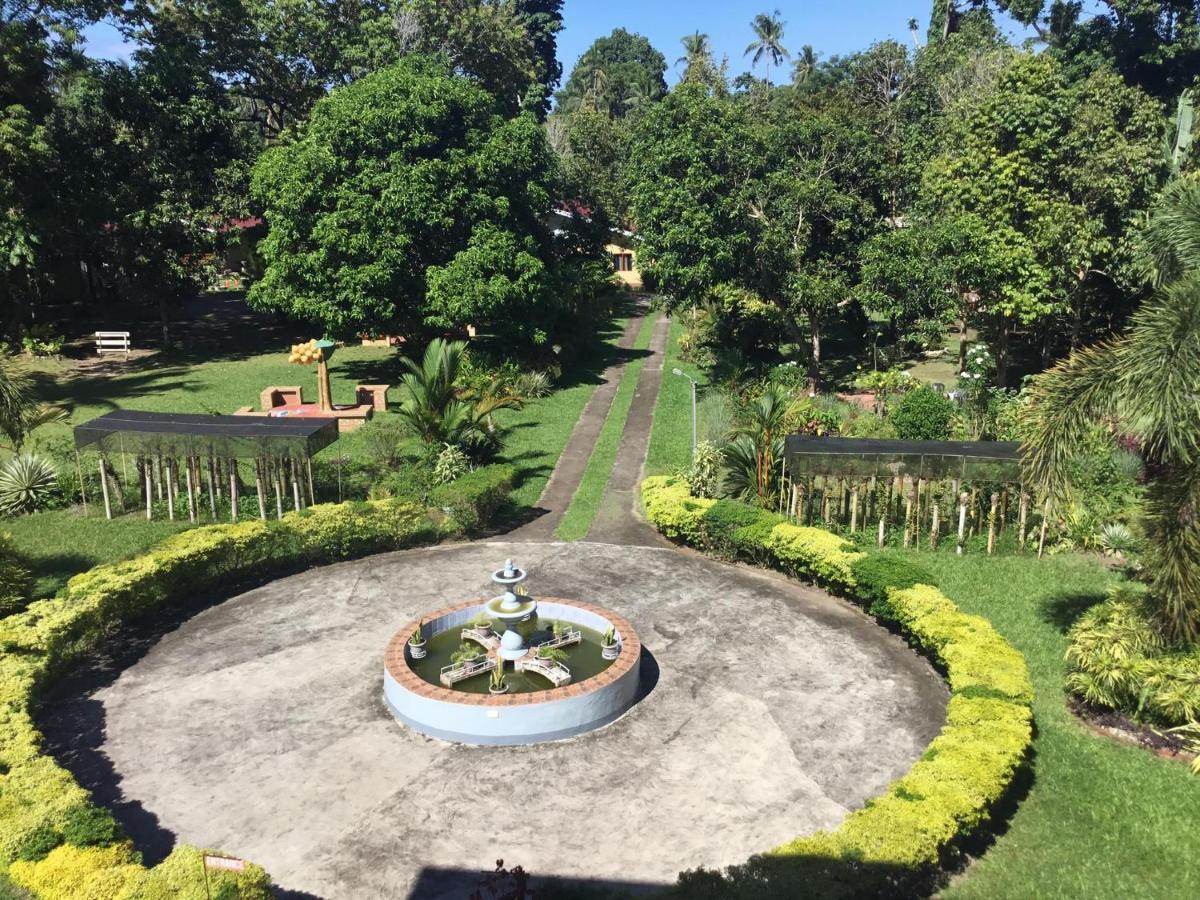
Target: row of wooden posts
column 181, row 482
column 915, row 504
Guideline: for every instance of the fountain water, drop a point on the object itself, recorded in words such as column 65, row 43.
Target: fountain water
column 551, row 682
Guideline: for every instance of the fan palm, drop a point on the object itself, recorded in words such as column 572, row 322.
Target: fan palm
column 1148, row 381
column 768, row 41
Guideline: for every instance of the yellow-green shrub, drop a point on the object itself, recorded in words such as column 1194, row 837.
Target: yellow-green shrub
column 893, row 842
column 39, row 800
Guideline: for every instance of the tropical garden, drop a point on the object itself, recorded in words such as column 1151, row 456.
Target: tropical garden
column 954, row 238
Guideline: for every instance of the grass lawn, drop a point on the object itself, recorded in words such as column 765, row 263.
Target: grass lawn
column 60, row 543
column 671, row 437
column 1101, row 819
column 577, row 520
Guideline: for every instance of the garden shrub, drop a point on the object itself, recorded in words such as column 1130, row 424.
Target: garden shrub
column 52, row 841
column 895, row 843
column 730, row 528
column 877, row 573
column 922, row 414
column 474, row 499
column 1118, row 659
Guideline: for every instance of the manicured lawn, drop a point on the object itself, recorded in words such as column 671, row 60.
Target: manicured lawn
column 577, row 520
column 671, row 437
column 60, row 543
column 1101, row 819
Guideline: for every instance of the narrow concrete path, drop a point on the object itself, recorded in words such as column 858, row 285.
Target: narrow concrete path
column 569, row 469
column 619, row 519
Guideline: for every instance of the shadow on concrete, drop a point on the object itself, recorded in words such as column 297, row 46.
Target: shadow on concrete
column 516, row 884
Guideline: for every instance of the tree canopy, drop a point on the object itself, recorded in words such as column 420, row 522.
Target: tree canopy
column 409, row 200
column 615, row 74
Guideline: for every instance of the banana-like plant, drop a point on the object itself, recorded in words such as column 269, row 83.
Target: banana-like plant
column 1148, row 381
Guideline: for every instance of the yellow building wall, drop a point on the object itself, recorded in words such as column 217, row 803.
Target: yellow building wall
column 632, row 278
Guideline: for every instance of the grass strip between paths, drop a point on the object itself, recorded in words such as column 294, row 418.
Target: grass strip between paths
column 670, row 449
column 577, row 520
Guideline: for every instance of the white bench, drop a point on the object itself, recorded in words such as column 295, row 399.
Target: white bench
column 112, row 342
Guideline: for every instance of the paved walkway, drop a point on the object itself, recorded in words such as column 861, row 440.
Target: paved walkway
column 619, row 519
column 257, row 726
column 569, row 469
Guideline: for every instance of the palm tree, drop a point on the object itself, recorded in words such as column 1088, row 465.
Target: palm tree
column 1148, row 383
column 442, row 411
column 697, row 54
column 805, row 65
column 768, row 42
column 20, row 411
column 752, row 458
column 598, row 91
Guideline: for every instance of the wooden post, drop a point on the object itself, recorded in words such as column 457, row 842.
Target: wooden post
column 869, row 507
column 149, row 491
column 212, row 487
column 908, row 510
column 1003, row 509
column 882, row 529
column 992, row 523
column 158, row 476
column 233, row 492
column 82, row 483
column 104, row 488
column 795, row 502
column 258, row 484
column 854, row 509
column 190, row 493
column 295, row 484
column 974, row 510
column 278, row 485
column 962, row 521
column 312, row 493
column 1022, row 516
column 933, row 528
column 1045, row 519
column 170, row 493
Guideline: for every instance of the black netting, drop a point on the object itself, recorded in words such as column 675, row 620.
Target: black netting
column 864, row 457
column 182, row 434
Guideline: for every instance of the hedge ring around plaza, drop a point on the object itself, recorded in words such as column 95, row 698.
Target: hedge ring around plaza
column 55, row 844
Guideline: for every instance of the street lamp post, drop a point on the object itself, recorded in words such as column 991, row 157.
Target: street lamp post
column 694, row 382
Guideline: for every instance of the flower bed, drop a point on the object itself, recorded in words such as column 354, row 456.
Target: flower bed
column 900, row 839
column 53, row 842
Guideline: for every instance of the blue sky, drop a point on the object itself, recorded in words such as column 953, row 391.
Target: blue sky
column 831, row 27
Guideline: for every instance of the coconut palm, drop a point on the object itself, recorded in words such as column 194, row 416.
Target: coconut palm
column 768, row 41
column 1148, row 384
column 697, row 55
column 805, row 64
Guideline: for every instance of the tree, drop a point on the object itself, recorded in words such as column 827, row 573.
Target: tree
column 814, row 208
column 543, row 21
column 1060, row 169
column 594, row 149
column 699, row 65
column 630, row 65
column 690, row 160
column 768, row 41
column 1145, row 382
column 805, row 65
column 408, row 201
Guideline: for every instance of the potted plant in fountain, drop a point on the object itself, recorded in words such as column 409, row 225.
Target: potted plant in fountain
column 466, row 655
column 416, row 643
column 497, row 683
column 610, row 648
column 480, row 621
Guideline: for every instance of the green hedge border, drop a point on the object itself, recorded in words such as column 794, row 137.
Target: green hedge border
column 902, row 839
column 42, row 847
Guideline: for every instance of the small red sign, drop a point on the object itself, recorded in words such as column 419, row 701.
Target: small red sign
column 225, row 862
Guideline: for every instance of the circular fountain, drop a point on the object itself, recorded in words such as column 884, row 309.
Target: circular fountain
column 512, row 669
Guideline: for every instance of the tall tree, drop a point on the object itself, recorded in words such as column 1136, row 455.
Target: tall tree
column 691, row 157
column 768, row 41
column 629, row 65
column 408, row 201
column 543, row 21
column 805, row 65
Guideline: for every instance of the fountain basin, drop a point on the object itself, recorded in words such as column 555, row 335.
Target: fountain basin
column 513, row 718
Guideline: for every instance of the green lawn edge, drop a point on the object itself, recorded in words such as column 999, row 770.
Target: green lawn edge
column 577, row 520
column 670, row 450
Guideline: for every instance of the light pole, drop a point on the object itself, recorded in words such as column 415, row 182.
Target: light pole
column 694, row 382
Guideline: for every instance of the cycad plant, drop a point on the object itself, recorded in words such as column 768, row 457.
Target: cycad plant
column 753, row 457
column 27, row 483
column 1147, row 383
column 437, row 406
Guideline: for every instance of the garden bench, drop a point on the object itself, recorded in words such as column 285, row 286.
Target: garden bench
column 112, row 342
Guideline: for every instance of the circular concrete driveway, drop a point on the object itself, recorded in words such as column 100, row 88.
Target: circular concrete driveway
column 258, row 727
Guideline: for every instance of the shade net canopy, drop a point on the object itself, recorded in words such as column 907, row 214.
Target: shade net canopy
column 864, row 457
column 183, row 434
